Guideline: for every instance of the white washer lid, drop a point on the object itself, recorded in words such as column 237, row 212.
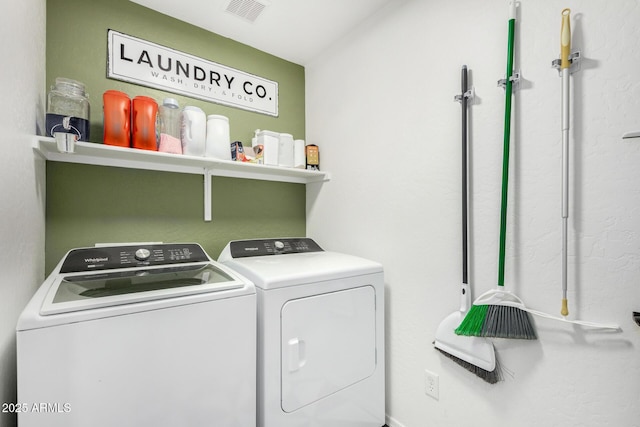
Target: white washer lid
column 203, row 280
column 78, row 291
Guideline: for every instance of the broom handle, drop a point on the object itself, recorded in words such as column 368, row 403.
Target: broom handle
column 507, row 137
column 465, row 296
column 465, row 230
column 565, row 64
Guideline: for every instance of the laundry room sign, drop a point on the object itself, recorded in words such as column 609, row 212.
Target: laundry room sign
column 149, row 64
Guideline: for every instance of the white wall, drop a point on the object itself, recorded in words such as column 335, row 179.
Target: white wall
column 380, row 106
column 22, row 49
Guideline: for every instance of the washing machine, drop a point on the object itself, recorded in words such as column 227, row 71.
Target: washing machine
column 321, row 355
column 138, row 335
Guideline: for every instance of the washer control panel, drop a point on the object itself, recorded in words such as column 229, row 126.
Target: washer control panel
column 261, row 247
column 110, row 257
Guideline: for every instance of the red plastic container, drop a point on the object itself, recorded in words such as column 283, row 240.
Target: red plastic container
column 145, row 112
column 117, row 118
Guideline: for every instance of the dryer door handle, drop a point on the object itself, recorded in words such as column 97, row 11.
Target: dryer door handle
column 297, row 354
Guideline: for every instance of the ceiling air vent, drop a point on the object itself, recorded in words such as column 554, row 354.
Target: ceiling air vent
column 246, row 9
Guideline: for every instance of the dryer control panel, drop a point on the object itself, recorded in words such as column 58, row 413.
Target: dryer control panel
column 110, row 257
column 261, row 247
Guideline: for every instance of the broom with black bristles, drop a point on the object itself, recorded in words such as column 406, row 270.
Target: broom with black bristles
column 498, row 313
column 475, row 354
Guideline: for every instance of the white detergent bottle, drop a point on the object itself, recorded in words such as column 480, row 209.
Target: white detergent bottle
column 193, row 132
column 285, row 150
column 218, row 143
column 299, row 154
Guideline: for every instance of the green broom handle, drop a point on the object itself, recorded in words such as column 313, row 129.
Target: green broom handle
column 507, row 137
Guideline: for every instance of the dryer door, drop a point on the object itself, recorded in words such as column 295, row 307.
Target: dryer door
column 328, row 343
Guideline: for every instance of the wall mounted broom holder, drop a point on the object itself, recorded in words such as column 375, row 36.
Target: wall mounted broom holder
column 515, row 80
column 575, row 60
column 469, row 95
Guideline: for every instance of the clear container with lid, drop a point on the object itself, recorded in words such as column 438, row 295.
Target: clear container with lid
column 169, row 127
column 170, row 117
column 68, row 109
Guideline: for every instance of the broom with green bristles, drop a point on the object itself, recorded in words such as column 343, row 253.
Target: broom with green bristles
column 498, row 313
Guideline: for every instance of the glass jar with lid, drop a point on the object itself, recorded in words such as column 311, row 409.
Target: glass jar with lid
column 68, row 109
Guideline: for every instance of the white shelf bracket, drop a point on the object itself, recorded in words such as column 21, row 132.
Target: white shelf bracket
column 207, row 194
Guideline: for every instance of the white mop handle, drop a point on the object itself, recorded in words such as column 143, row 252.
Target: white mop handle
column 565, row 143
column 565, row 48
column 575, row 322
column 565, row 187
column 506, row 298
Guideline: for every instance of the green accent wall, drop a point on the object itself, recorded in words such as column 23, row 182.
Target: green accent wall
column 88, row 204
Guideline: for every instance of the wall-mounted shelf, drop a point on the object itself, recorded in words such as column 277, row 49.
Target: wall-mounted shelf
column 106, row 155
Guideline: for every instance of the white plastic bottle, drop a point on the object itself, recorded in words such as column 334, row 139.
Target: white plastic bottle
column 193, row 131
column 270, row 142
column 299, row 154
column 218, row 144
column 285, row 150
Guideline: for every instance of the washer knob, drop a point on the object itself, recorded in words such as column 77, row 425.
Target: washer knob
column 143, row 254
column 279, row 245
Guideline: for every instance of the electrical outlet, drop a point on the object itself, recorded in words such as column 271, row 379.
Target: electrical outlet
column 431, row 384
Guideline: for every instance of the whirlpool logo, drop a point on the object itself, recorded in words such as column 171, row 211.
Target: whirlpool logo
column 95, row 260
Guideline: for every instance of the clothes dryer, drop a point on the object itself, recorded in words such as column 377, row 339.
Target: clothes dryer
column 138, row 335
column 320, row 333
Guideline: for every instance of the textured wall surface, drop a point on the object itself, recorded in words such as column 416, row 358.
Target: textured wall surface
column 22, row 45
column 380, row 105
